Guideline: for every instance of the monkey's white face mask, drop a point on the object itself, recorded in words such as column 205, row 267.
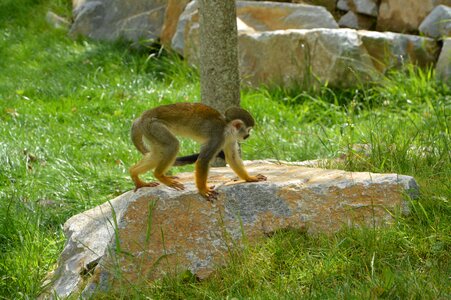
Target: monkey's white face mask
column 238, row 130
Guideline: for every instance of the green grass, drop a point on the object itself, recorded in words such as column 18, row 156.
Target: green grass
column 65, row 113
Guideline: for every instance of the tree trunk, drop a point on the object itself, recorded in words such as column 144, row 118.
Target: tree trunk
column 219, row 75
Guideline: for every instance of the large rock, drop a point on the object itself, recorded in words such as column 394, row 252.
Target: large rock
column 309, row 57
column 138, row 20
column 140, row 236
column 405, row 15
column 394, row 50
column 366, row 7
column 338, row 57
column 269, row 16
column 438, row 23
column 255, row 16
column 132, row 20
column 443, row 68
column 330, row 5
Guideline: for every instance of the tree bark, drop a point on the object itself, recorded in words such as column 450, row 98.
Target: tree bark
column 219, row 74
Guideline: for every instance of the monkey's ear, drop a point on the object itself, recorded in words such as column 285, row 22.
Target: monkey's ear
column 238, row 124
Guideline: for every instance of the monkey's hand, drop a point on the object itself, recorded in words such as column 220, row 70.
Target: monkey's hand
column 258, row 177
column 209, row 193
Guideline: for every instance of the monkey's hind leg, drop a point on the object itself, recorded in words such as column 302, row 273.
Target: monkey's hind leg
column 167, row 146
column 147, row 163
column 163, row 166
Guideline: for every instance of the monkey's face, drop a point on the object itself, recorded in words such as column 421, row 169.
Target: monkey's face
column 244, row 133
column 240, row 130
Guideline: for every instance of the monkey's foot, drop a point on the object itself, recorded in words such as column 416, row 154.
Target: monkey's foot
column 170, row 182
column 176, row 185
column 139, row 185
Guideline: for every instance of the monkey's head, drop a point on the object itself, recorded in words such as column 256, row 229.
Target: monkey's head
column 241, row 120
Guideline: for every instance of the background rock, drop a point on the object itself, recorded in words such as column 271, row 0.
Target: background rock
column 163, row 231
column 270, row 24
column 269, row 16
column 153, row 19
column 441, row 2
column 330, row 5
column 366, row 7
column 357, row 21
column 393, row 50
column 132, row 20
column 443, row 68
column 404, row 16
column 309, row 57
column 340, row 57
column 188, row 20
column 438, row 23
column 251, row 17
column 173, row 11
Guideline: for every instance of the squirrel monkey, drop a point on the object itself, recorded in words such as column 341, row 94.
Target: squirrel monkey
column 154, row 135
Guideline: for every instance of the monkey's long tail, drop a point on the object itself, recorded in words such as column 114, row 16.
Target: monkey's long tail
column 190, row 159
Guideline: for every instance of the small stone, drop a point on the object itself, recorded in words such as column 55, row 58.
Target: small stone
column 357, row 21
column 366, row 7
column 56, row 21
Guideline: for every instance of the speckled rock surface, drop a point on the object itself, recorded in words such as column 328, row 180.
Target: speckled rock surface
column 163, row 231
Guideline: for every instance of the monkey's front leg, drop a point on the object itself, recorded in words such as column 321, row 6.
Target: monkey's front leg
column 201, row 181
column 209, row 193
column 236, row 163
